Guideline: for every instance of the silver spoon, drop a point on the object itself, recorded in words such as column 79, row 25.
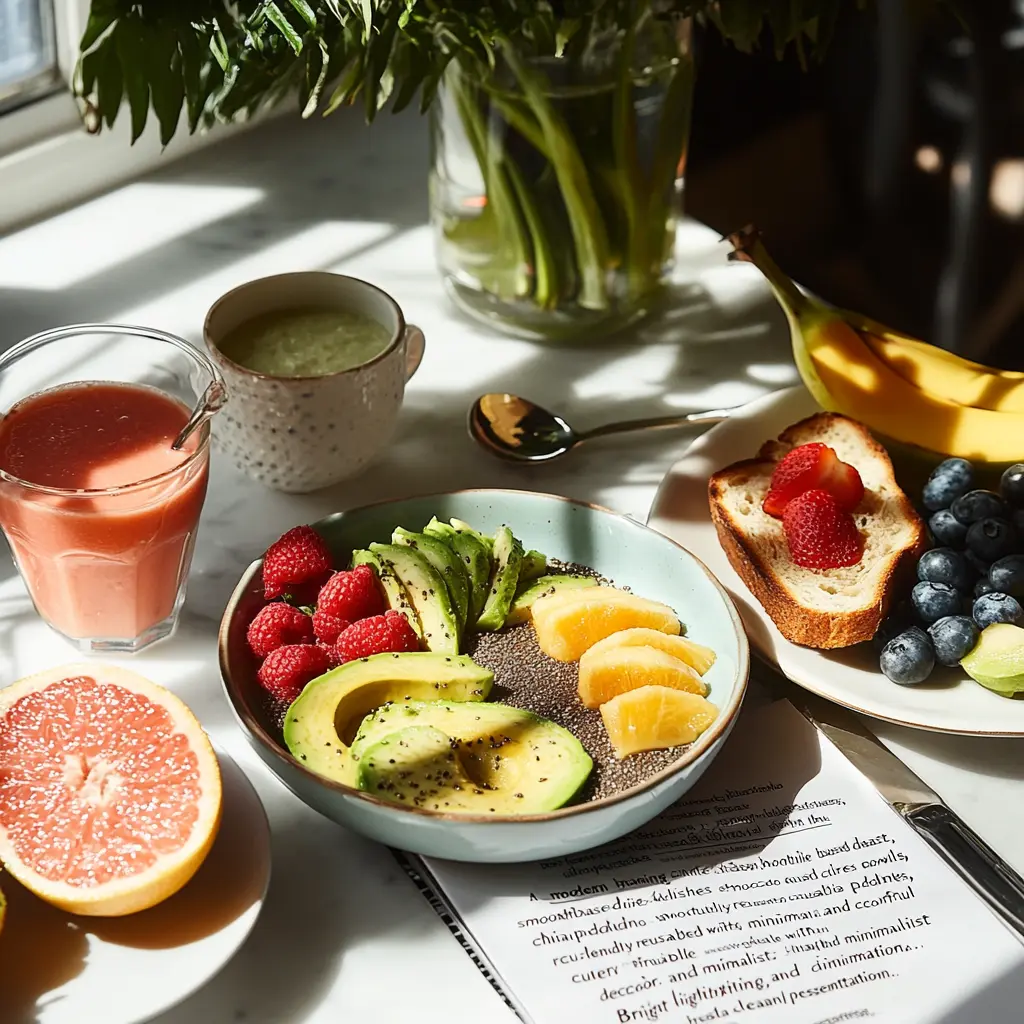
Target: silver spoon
column 211, row 402
column 515, row 428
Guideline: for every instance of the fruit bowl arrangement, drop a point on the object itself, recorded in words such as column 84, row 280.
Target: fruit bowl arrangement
column 485, row 676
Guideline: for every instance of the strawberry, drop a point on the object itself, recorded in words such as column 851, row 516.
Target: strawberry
column 327, row 626
column 810, row 467
column 820, row 534
column 295, row 564
column 377, row 634
column 352, row 595
column 287, row 670
column 276, row 625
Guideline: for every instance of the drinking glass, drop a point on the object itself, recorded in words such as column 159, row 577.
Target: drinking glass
column 107, row 567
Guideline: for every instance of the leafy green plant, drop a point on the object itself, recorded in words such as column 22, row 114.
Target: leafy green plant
column 577, row 212
column 223, row 60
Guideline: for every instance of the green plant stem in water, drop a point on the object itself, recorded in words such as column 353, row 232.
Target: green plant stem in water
column 585, row 219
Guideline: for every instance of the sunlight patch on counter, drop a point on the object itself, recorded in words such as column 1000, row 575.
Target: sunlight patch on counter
column 102, row 234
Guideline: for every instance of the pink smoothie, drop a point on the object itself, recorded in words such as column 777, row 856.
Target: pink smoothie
column 108, row 565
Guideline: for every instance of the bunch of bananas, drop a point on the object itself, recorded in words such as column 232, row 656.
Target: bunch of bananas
column 901, row 388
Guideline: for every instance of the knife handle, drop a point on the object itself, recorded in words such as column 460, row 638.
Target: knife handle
column 976, row 862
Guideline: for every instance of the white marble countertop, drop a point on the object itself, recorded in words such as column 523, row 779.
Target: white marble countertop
column 344, row 936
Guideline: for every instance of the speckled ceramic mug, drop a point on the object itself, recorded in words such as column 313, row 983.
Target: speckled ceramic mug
column 300, row 434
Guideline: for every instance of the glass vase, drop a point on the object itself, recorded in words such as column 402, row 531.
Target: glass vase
column 556, row 182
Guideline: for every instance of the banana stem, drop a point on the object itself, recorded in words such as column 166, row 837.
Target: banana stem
column 748, row 248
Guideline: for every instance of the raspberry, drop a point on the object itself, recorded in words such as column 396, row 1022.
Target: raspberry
column 819, row 533
column 294, row 563
column 352, row 595
column 276, row 625
column 287, row 670
column 327, row 626
column 377, row 634
column 811, row 467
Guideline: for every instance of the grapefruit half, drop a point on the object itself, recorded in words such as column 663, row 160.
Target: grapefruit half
column 110, row 793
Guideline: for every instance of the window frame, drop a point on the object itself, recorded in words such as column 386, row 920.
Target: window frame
column 47, row 159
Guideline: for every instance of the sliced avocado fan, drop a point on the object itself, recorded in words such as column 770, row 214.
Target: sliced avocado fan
column 508, row 560
column 394, row 591
column 474, row 555
column 448, row 565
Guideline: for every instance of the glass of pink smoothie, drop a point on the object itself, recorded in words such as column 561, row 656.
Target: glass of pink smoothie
column 99, row 510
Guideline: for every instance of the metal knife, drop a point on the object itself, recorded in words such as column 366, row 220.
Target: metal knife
column 919, row 805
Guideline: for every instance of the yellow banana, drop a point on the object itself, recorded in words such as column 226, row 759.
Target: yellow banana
column 845, row 373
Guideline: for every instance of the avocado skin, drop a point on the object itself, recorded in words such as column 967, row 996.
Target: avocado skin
column 547, row 763
column 534, row 590
column 427, row 592
column 448, row 564
column 322, row 715
column 473, row 554
column 508, row 560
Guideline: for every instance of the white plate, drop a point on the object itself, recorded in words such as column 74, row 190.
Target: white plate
column 949, row 702
column 59, row 969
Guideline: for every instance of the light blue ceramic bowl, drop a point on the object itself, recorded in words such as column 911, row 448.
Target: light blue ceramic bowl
column 620, row 549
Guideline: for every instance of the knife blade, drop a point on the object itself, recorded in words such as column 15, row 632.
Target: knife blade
column 913, row 799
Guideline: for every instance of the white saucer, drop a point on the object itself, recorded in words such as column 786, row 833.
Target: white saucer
column 59, row 969
column 949, row 702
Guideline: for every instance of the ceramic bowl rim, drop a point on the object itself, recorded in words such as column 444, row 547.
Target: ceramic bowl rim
column 693, row 753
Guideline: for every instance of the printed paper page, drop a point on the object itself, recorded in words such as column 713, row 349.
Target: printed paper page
column 781, row 890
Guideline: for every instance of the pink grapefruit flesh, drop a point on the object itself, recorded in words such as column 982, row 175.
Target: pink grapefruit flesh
column 110, row 792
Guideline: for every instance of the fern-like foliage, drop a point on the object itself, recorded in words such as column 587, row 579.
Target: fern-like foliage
column 223, row 60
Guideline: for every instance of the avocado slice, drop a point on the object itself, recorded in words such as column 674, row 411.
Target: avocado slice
column 448, row 564
column 997, row 659
column 428, row 594
column 321, row 720
column 533, row 590
column 474, row 556
column 394, row 590
column 508, row 559
column 461, row 526
column 535, row 564
column 501, row 760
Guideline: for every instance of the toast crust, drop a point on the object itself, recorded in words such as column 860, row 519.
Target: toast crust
column 799, row 624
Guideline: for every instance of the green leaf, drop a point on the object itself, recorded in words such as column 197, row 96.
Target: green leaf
column 317, row 62
column 132, row 56
column 102, row 15
column 89, row 69
column 305, row 11
column 284, row 26
column 167, row 88
column 219, row 49
column 109, row 86
column 191, row 76
column 367, row 18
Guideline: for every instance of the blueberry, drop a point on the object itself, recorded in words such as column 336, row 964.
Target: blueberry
column 978, row 565
column 952, row 638
column 1007, row 575
column 1017, row 518
column 1012, row 484
column 944, row 565
column 908, row 658
column 934, row 601
column 975, row 505
column 947, row 482
column 982, row 587
column 992, row 539
column 996, row 607
column 900, row 619
column 947, row 529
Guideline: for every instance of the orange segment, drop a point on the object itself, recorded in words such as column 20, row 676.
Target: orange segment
column 110, row 793
column 569, row 624
column 697, row 656
column 655, row 718
column 607, row 673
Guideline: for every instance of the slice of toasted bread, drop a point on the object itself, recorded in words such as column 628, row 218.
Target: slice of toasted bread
column 819, row 608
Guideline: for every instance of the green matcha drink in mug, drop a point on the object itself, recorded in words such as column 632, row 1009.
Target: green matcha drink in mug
column 316, row 366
